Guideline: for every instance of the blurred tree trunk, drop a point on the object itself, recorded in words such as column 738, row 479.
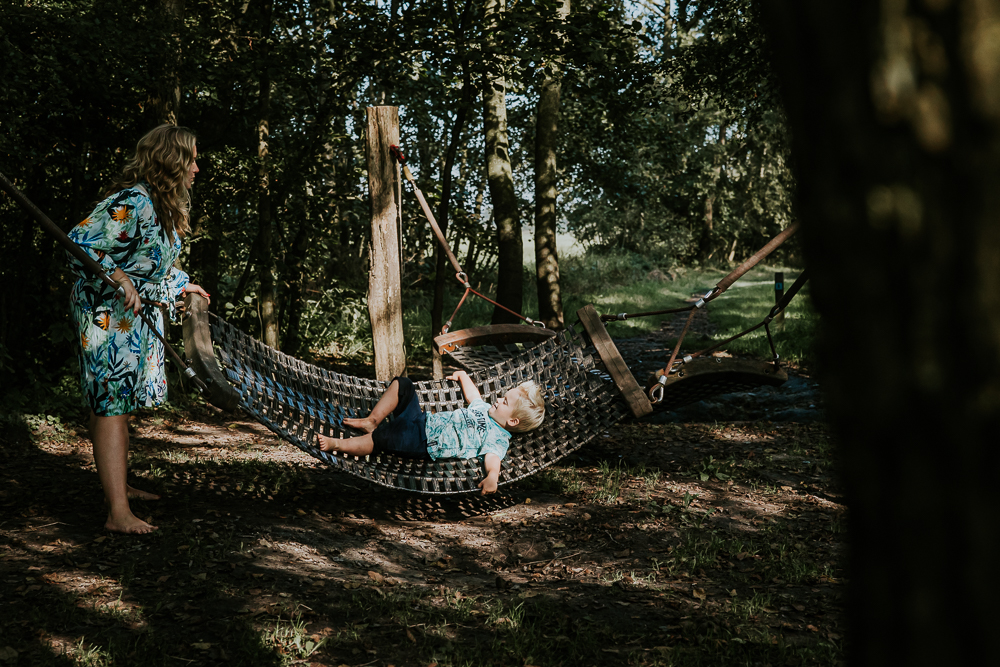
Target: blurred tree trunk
column 205, row 256
column 294, row 303
column 550, row 309
column 268, row 308
column 510, row 288
column 895, row 113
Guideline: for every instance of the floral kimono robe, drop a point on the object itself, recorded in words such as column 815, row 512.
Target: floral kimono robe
column 121, row 360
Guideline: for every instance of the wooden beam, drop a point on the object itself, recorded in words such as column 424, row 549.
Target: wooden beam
column 385, row 307
column 493, row 334
column 201, row 354
column 634, row 396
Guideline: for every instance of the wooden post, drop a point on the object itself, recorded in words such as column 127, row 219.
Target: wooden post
column 385, row 307
column 779, row 291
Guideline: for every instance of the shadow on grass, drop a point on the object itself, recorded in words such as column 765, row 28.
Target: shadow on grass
column 256, row 559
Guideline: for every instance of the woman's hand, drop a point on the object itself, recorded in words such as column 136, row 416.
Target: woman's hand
column 196, row 289
column 132, row 300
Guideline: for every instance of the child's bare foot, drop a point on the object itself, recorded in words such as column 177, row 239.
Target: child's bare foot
column 136, row 494
column 327, row 444
column 129, row 525
column 365, row 424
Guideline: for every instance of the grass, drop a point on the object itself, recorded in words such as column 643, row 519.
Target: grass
column 617, row 283
column 290, row 638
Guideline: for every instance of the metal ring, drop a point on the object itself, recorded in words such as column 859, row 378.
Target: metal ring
column 656, row 394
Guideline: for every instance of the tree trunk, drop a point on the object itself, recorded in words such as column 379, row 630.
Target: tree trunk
column 442, row 273
column 501, row 182
column 294, row 303
column 267, row 301
column 895, row 114
column 550, row 309
column 164, row 106
column 705, row 250
column 204, row 258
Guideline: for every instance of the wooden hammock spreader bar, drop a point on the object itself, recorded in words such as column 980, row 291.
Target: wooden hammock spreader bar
column 95, row 268
column 722, row 285
column 198, row 347
column 633, row 394
column 494, row 334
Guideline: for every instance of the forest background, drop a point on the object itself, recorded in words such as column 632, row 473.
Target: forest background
column 666, row 145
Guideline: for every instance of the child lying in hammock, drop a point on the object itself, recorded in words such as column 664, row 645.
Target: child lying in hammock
column 464, row 434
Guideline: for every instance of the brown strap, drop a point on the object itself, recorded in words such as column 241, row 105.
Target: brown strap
column 460, row 274
column 738, row 272
column 434, row 225
column 724, row 284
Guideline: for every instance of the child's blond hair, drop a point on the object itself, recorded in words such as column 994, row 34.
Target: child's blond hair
column 530, row 408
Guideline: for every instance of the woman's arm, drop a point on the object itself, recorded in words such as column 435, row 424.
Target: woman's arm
column 469, row 389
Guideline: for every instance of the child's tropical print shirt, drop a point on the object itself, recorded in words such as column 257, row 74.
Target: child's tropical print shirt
column 465, row 433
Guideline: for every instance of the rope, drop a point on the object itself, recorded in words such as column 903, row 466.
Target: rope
column 656, row 392
column 460, row 274
column 723, row 284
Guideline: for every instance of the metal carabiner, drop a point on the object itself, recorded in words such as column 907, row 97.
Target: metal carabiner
column 657, row 391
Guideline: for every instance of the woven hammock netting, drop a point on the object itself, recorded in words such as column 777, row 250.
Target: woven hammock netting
column 297, row 400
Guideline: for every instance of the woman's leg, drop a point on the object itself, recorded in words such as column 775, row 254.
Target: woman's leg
column 110, row 438
column 386, row 404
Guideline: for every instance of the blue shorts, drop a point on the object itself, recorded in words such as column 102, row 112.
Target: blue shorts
column 403, row 433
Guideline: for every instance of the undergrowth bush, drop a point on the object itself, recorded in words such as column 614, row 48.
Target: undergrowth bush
column 335, row 322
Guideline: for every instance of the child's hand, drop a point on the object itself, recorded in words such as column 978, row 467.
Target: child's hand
column 492, row 464
column 457, row 376
column 489, row 484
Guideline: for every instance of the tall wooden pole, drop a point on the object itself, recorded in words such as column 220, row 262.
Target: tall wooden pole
column 385, row 307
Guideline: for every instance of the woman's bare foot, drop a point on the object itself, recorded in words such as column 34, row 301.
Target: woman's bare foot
column 136, row 494
column 129, row 525
column 365, row 424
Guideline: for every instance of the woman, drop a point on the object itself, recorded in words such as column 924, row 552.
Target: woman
column 135, row 234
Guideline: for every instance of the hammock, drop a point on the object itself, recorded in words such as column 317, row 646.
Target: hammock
column 584, row 396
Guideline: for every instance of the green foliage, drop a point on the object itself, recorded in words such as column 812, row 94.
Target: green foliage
column 647, row 100
column 702, row 132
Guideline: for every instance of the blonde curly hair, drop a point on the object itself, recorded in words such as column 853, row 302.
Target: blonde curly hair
column 162, row 159
column 530, row 408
